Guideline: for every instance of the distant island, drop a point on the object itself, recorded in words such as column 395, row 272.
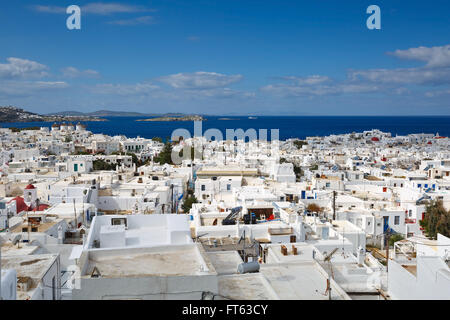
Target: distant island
column 10, row 114
column 110, row 113
column 183, row 118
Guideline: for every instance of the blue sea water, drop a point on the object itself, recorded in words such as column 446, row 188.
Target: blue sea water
column 289, row 126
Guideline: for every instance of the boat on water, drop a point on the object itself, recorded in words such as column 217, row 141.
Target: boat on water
column 253, row 118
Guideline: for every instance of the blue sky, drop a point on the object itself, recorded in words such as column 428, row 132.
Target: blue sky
column 227, row 57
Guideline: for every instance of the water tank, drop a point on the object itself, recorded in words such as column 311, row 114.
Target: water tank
column 248, row 267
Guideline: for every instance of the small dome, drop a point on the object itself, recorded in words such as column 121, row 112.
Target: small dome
column 29, row 187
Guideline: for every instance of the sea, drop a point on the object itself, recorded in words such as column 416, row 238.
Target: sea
column 288, row 126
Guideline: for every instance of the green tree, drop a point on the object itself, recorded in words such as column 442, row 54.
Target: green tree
column 79, row 153
column 187, row 203
column 165, row 156
column 300, row 143
column 103, row 165
column 157, row 139
column 394, row 238
column 436, row 220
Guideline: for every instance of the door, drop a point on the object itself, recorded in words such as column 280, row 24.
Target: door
column 385, row 224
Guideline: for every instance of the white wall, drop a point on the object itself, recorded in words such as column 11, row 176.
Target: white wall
column 9, row 284
column 428, row 284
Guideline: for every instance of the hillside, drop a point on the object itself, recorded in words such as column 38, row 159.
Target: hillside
column 14, row 114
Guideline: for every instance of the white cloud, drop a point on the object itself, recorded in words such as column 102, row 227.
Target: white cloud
column 144, row 88
column 437, row 93
column 433, row 56
column 110, row 8
column 199, row 80
column 309, row 80
column 99, row 8
column 134, row 21
column 189, row 91
column 316, row 86
column 72, row 72
column 217, row 93
column 22, row 68
column 28, row 88
column 49, row 9
column 436, row 72
column 419, row 76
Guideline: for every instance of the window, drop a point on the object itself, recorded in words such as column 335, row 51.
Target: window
column 119, row 221
column 410, row 213
column 228, row 187
column 327, row 184
column 397, row 220
column 203, row 187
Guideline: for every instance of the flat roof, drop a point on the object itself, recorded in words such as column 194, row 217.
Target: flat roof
column 33, row 266
column 301, row 281
column 251, row 286
column 225, row 262
column 9, row 249
column 345, row 226
column 161, row 261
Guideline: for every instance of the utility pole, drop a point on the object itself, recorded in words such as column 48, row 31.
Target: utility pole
column 328, row 289
column 82, row 212
column 171, row 192
column 334, row 205
column 75, row 213
column 387, row 237
column 28, row 228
